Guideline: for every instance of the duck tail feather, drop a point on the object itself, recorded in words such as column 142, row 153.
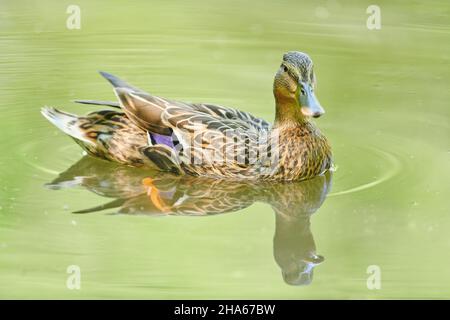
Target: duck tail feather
column 116, row 82
column 99, row 103
column 66, row 122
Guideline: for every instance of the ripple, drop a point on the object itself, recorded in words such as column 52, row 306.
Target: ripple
column 390, row 164
column 61, row 156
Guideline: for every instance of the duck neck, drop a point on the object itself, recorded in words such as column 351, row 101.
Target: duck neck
column 288, row 113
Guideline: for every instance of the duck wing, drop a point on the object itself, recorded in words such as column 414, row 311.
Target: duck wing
column 198, row 130
column 147, row 110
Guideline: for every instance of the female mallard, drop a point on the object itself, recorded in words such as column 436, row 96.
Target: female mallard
column 205, row 139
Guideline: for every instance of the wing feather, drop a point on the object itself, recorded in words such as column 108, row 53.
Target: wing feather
column 202, row 129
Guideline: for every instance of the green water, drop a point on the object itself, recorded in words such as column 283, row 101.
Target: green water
column 386, row 95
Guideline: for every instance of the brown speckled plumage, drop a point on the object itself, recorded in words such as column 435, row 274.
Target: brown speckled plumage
column 304, row 152
column 202, row 135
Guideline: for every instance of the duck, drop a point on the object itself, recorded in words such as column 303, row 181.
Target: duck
column 203, row 139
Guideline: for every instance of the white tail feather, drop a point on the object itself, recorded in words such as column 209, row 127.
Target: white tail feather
column 66, row 122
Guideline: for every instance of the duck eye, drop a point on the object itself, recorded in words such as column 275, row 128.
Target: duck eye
column 285, row 68
column 302, row 90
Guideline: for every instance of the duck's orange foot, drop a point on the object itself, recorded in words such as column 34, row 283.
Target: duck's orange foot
column 153, row 193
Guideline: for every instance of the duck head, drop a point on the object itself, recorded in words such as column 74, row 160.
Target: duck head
column 294, row 86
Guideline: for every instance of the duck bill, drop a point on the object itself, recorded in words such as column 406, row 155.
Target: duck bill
column 309, row 104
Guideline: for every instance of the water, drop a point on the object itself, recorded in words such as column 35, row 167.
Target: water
column 385, row 93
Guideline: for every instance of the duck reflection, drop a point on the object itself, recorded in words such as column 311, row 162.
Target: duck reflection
column 135, row 191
